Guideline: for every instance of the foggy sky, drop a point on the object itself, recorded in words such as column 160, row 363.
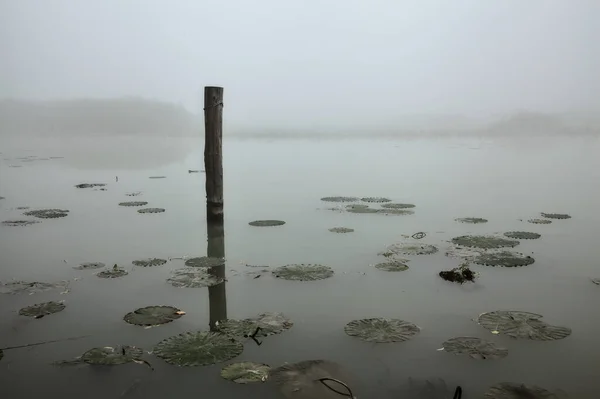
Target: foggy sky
column 308, row 62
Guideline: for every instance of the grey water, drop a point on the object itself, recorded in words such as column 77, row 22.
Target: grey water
column 506, row 181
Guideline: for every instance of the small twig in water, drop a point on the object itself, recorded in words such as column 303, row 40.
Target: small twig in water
column 253, row 336
column 349, row 394
column 45, row 342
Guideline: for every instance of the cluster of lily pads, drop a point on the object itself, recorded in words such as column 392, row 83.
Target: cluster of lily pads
column 363, row 205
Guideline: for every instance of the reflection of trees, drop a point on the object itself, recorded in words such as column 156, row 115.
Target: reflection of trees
column 216, row 294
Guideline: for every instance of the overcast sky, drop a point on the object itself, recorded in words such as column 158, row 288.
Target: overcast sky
column 325, row 60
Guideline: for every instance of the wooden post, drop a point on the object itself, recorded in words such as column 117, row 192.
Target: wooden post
column 217, row 297
column 213, row 154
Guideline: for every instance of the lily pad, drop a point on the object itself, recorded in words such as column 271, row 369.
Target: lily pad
column 341, row 230
column 109, row 356
column 22, row 208
column 114, row 272
column 519, row 324
column 362, row 209
column 198, row 349
column 90, row 266
column 377, row 200
column 302, row 272
column 409, row 249
column 149, row 262
column 42, row 309
column 205, row 261
column 153, row 315
column 397, row 206
column 1, row 198
column 135, row 194
column 264, row 325
column 47, row 213
column 151, row 210
column 522, row 235
column 22, row 287
column 266, row 223
column 504, row 258
column 381, row 330
column 90, row 185
column 339, row 199
column 509, row 390
column 556, row 215
column 246, row 372
column 486, row 242
column 540, row 221
column 193, row 277
column 133, row 203
column 476, row 348
column 459, row 274
column 15, row 223
column 386, row 211
column 158, row 177
column 357, row 206
column 471, row 220
column 393, row 266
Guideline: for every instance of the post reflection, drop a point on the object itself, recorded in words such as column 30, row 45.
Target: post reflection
column 217, row 296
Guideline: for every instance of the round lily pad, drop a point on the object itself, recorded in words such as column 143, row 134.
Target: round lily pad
column 519, row 324
column 205, row 261
column 339, row 199
column 341, row 230
column 375, row 199
column 485, row 242
column 522, row 235
column 365, row 209
column 556, row 215
column 90, row 185
column 149, row 262
column 476, row 348
column 381, row 330
column 263, row 325
column 114, row 272
column 42, row 309
column 47, row 213
column 509, row 390
column 472, row 220
column 393, row 266
column 153, row 315
column 504, row 258
column 109, row 356
column 392, row 211
column 266, row 223
column 29, row 287
column 302, row 272
column 397, row 206
column 198, row 349
column 357, row 206
column 246, row 372
column 193, row 277
column 540, row 221
column 409, row 249
column 15, row 223
column 151, row 210
column 89, row 266
column 133, row 203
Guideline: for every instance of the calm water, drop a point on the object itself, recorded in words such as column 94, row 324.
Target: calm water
column 502, row 180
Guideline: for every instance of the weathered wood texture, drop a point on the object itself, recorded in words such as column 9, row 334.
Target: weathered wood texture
column 213, row 154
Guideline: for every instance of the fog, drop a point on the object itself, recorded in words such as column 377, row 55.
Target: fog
column 314, row 65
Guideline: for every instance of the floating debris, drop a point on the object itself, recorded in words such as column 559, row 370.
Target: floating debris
column 381, row 330
column 89, row 266
column 1, row 354
column 135, row 194
column 246, row 372
column 459, row 274
column 40, row 310
column 476, row 348
column 47, row 213
column 509, row 390
column 194, row 171
column 540, row 221
column 556, row 215
column 409, row 249
column 153, row 315
column 419, row 235
column 522, row 235
column 115, row 272
column 393, row 266
column 397, row 206
column 339, row 199
column 517, row 324
column 19, row 222
column 193, row 277
column 377, row 200
column 263, row 325
column 107, row 356
column 22, row 208
column 595, row 281
column 133, row 203
column 504, row 258
column 205, row 261
column 266, row 223
column 303, row 272
column 471, row 220
column 198, row 349
column 149, row 262
column 90, row 185
column 21, row 287
column 341, row 230
column 158, row 177
column 485, row 242
column 151, row 210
